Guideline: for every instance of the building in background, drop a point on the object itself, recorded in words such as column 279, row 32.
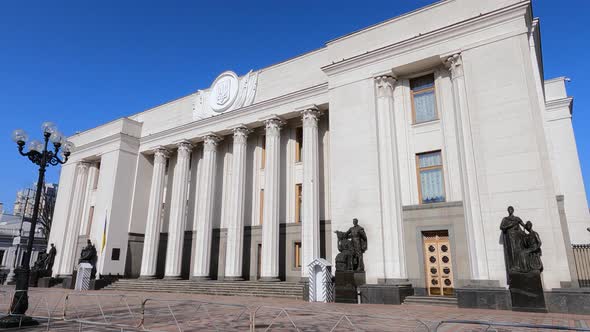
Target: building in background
column 25, row 199
column 425, row 127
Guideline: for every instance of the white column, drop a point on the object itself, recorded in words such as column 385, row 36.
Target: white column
column 270, row 223
column 92, row 177
column 235, row 225
column 74, row 220
column 178, row 203
column 205, row 208
column 310, row 222
column 471, row 205
column 154, row 215
column 390, row 187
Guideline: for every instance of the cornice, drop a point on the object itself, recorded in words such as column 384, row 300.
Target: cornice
column 259, row 107
column 557, row 104
column 468, row 26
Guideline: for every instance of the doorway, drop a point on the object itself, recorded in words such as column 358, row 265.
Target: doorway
column 438, row 263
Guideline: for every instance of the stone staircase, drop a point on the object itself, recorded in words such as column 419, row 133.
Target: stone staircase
column 291, row 290
column 441, row 301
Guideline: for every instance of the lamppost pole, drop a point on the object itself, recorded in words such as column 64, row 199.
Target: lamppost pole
column 41, row 156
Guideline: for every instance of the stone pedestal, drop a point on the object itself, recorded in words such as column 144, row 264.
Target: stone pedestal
column 483, row 298
column 385, row 294
column 83, row 276
column 48, row 282
column 526, row 292
column 347, row 284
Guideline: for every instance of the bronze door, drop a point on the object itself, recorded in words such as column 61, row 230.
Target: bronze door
column 438, row 263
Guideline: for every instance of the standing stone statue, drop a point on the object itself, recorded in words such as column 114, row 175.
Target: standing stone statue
column 513, row 237
column 352, row 245
column 522, row 252
column 51, row 259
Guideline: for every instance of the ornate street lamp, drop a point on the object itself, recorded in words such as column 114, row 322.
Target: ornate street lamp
column 41, row 156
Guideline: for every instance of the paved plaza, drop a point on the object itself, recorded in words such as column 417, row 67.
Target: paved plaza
column 66, row 310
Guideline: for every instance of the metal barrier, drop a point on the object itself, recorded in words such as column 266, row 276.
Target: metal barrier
column 582, row 260
column 112, row 310
column 489, row 326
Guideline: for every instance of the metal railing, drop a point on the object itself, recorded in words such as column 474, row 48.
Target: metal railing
column 119, row 312
column 582, row 260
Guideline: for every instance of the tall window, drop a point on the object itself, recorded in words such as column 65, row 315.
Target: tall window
column 430, row 177
column 423, row 99
column 261, row 206
column 298, row 190
column 298, row 144
column 297, row 255
column 263, row 152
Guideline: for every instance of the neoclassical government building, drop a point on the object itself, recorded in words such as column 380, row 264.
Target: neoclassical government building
column 425, row 127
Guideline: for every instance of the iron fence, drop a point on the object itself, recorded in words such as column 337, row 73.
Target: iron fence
column 582, row 260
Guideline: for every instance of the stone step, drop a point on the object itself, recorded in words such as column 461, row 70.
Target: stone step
column 292, row 290
column 444, row 301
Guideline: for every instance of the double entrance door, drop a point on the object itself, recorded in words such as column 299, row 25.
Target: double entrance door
column 438, row 263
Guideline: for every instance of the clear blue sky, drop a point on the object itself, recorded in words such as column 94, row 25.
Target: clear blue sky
column 84, row 63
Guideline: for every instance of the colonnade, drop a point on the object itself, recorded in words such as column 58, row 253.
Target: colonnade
column 236, row 208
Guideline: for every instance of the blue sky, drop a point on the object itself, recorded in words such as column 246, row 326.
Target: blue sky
column 84, row 63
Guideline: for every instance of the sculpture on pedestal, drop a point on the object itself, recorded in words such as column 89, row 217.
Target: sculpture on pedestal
column 51, row 259
column 522, row 253
column 352, row 244
column 88, row 255
column 350, row 267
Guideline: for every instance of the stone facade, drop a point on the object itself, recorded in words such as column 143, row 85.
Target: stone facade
column 249, row 178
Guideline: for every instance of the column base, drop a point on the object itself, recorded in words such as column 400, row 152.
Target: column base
column 172, row 278
column 200, row 278
column 269, row 279
column 233, row 279
column 147, row 277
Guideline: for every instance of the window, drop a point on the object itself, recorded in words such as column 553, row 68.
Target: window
column 297, row 255
column 431, row 183
column 298, row 190
column 263, row 152
column 298, row 144
column 115, row 254
column 261, row 206
column 423, row 99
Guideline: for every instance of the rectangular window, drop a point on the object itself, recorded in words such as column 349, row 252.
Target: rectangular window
column 298, row 144
column 263, row 152
column 297, row 254
column 115, row 254
column 423, row 99
column 261, row 206
column 298, row 190
column 430, row 177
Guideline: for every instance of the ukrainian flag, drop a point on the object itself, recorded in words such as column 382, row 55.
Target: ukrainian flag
column 104, row 234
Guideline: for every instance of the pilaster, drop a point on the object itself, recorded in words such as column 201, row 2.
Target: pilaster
column 390, row 188
column 471, row 203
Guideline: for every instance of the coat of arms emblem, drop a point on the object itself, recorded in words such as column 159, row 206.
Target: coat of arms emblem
column 223, row 89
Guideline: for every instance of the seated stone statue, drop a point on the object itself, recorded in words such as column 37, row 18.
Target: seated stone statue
column 532, row 249
column 352, row 244
column 88, row 255
column 345, row 256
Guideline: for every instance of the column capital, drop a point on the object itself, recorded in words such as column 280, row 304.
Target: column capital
column 385, row 84
column 161, row 154
column 310, row 116
column 184, row 147
column 455, row 65
column 210, row 142
column 273, row 126
column 83, row 165
column 241, row 134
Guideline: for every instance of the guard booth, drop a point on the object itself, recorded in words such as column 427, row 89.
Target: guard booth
column 321, row 286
